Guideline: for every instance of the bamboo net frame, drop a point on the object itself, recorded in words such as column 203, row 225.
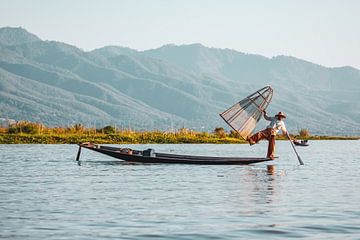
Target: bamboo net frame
column 244, row 115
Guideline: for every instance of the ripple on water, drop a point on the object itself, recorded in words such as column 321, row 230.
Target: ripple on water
column 44, row 193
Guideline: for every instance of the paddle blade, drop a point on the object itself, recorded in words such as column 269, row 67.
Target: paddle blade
column 300, row 161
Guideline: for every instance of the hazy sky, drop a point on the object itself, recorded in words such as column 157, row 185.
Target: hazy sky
column 324, row 32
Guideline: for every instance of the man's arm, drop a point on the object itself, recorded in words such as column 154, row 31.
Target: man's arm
column 283, row 130
column 266, row 116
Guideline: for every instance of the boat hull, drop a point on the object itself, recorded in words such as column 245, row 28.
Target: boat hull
column 172, row 158
column 301, row 144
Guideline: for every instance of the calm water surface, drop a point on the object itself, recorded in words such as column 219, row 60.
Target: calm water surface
column 45, row 194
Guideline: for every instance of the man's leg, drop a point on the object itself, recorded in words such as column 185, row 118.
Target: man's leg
column 271, row 147
column 258, row 136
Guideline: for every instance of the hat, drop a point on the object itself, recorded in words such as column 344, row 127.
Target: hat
column 280, row 114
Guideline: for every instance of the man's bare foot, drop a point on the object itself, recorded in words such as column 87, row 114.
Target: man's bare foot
column 250, row 142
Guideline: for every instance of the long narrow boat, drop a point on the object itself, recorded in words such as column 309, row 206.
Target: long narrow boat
column 149, row 156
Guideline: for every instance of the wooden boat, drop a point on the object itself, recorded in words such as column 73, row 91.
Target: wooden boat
column 149, row 156
column 303, row 143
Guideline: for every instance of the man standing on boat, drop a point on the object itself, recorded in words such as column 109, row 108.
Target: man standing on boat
column 276, row 124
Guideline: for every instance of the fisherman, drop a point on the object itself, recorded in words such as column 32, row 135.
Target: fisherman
column 276, row 124
column 295, row 141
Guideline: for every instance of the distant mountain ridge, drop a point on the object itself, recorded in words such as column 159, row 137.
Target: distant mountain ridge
column 15, row 36
column 169, row 87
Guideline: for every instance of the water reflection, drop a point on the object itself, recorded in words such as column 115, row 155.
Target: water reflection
column 260, row 186
column 271, row 169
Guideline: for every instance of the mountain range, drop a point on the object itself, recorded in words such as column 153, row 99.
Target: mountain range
column 165, row 88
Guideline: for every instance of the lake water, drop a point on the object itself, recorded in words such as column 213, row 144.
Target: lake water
column 45, row 194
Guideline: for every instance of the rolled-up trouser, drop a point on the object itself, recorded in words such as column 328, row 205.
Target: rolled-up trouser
column 268, row 134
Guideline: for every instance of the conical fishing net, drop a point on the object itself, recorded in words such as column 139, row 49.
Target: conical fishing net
column 244, row 115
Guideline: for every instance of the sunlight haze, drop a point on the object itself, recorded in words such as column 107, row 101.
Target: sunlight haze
column 324, row 32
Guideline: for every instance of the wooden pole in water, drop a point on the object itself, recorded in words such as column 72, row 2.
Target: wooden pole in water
column 292, row 144
column 78, row 154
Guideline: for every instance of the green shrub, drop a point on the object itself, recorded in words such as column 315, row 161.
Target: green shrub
column 304, row 132
column 220, row 132
column 25, row 127
column 234, row 134
column 108, row 130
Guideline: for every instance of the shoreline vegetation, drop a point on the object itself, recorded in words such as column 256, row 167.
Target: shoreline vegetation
column 34, row 133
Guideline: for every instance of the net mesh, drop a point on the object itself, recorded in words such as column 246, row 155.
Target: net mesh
column 244, row 115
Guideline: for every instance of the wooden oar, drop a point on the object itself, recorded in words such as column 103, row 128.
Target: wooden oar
column 292, row 144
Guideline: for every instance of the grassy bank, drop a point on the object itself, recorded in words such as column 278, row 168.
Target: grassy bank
column 24, row 132
column 141, row 138
column 135, row 137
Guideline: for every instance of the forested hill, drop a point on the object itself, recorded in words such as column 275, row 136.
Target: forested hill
column 169, row 87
